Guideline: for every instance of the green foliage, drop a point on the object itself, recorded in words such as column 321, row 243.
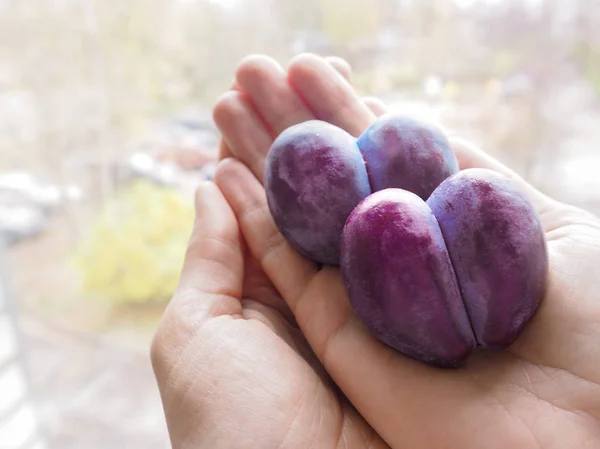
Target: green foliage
column 588, row 57
column 135, row 60
column 136, row 247
column 345, row 20
column 505, row 61
column 297, row 16
column 402, row 77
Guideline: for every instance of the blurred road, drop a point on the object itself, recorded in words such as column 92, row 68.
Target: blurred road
column 90, row 393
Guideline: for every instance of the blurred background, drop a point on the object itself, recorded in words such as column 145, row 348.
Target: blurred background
column 105, row 129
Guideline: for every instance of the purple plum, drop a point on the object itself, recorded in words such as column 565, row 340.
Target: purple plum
column 498, row 249
column 400, row 279
column 403, row 153
column 314, row 177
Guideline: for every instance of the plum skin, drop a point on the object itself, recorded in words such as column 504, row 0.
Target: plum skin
column 498, row 248
column 404, row 153
column 314, row 177
column 400, row 281
column 432, row 279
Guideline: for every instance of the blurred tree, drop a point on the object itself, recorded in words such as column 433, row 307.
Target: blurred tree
column 131, row 36
column 123, row 260
column 296, row 16
column 346, row 20
column 86, row 76
column 586, row 46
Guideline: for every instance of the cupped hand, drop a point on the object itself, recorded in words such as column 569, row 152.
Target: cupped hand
column 233, row 369
column 543, row 392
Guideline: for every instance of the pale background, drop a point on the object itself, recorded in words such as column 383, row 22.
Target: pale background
column 105, row 129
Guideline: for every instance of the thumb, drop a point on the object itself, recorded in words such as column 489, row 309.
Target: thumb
column 211, row 280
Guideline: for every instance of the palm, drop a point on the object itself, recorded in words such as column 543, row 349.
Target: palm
column 278, row 396
column 543, row 392
column 293, row 391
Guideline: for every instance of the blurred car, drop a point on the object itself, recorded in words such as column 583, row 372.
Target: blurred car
column 173, row 170
column 20, row 221
column 31, row 189
column 148, row 166
column 27, row 204
column 197, row 133
column 208, row 171
column 178, row 151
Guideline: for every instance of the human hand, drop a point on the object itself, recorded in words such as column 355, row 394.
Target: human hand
column 543, row 392
column 233, row 369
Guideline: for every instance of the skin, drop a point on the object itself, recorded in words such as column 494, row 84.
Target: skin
column 400, row 281
column 311, row 215
column 241, row 362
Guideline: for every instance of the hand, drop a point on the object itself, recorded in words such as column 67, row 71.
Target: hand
column 233, row 369
column 543, row 392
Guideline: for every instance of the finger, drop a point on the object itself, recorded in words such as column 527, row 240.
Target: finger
column 213, row 265
column 470, row 156
column 275, row 102
column 265, row 82
column 224, row 150
column 243, row 131
column 260, row 288
column 376, row 106
column 383, row 379
column 328, row 94
column 211, row 279
column 250, row 204
column 340, row 65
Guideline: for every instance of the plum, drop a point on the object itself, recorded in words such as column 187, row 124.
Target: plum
column 404, row 153
column 498, row 250
column 400, row 280
column 314, row 177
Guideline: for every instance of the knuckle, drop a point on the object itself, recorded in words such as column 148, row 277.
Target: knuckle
column 226, row 107
column 304, row 62
column 257, row 218
column 295, row 116
column 253, row 67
